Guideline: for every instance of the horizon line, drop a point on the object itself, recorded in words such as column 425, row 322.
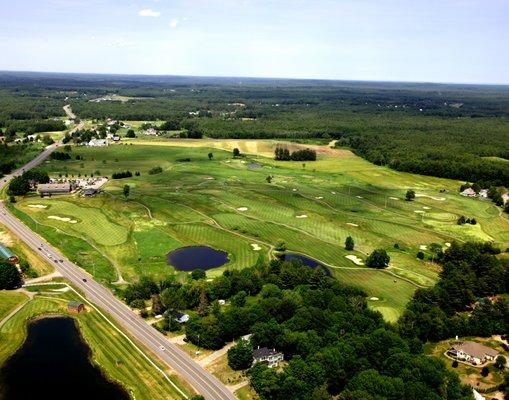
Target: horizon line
column 256, row 77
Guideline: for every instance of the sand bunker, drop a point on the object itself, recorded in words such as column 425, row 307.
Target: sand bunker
column 351, row 224
column 294, row 190
column 423, row 247
column 374, row 298
column 319, row 197
column 301, row 216
column 431, row 197
column 37, row 206
column 209, row 178
column 356, row 260
column 359, row 197
column 447, row 244
column 333, row 192
column 419, row 211
column 242, row 209
column 393, row 198
column 426, row 208
column 255, row 246
column 63, row 219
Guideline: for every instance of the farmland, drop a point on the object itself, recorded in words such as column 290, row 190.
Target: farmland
column 228, row 204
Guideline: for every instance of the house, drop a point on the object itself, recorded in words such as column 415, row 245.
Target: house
column 505, row 197
column 269, row 356
column 483, row 194
column 7, row 255
column 47, row 189
column 221, row 302
column 75, row 307
column 113, row 136
column 472, row 352
column 98, row 143
column 89, row 192
column 150, row 132
column 181, row 317
column 469, row 192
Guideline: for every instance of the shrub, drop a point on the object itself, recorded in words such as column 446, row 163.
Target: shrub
column 378, row 259
column 155, row 170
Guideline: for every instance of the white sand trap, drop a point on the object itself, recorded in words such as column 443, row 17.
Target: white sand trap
column 356, row 260
column 228, row 161
column 301, row 216
column 294, row 190
column 37, row 206
column 426, row 208
column 209, row 178
column 242, row 162
column 419, row 211
column 351, row 224
column 319, row 197
column 393, row 198
column 333, row 192
column 63, row 219
column 359, row 197
column 284, row 181
column 431, row 197
column 423, row 247
column 374, row 298
column 255, row 246
column 447, row 244
column 242, row 209
column 63, row 290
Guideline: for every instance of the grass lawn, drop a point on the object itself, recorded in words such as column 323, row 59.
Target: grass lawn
column 116, row 356
column 227, row 204
column 9, row 301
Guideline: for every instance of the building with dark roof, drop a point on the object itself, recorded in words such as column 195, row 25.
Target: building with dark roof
column 7, row 255
column 75, row 307
column 472, row 352
column 269, row 356
column 45, row 189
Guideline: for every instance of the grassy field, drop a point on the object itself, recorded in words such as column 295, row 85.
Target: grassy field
column 119, row 360
column 9, row 301
column 227, row 203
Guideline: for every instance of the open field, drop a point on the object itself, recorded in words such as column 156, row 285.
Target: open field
column 9, row 301
column 112, row 352
column 227, row 204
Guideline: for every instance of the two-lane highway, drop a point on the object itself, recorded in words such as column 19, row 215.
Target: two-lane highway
column 201, row 380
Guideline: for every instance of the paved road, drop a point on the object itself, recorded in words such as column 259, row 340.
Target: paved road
column 201, row 380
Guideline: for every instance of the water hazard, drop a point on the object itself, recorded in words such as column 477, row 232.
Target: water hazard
column 196, row 257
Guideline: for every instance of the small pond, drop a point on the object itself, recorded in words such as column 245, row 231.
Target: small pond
column 54, row 363
column 307, row 261
column 194, row 257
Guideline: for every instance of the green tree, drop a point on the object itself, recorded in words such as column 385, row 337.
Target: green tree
column 19, row 186
column 268, row 178
column 172, row 298
column 236, row 152
column 410, row 195
column 198, row 274
column 211, row 156
column 349, row 243
column 240, row 356
column 378, row 259
column 10, row 277
column 130, row 134
column 126, row 191
column 500, row 362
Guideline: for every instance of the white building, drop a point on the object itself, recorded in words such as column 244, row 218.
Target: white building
column 469, row 192
column 269, row 356
column 483, row 194
column 98, row 143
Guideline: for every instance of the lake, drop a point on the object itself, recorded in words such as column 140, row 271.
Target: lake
column 307, row 261
column 194, row 257
column 54, row 363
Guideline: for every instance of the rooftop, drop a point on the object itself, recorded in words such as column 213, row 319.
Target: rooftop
column 476, row 350
column 264, row 352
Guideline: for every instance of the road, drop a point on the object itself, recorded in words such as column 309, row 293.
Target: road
column 201, row 380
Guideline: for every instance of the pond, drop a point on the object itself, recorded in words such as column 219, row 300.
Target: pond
column 194, row 257
column 54, row 363
column 308, row 262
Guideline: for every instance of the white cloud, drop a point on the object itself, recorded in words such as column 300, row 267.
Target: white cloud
column 174, row 22
column 148, row 12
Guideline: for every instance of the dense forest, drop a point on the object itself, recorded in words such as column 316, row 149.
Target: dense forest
column 334, row 344
column 453, row 131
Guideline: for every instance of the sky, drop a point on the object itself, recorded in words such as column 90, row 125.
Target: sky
column 389, row 40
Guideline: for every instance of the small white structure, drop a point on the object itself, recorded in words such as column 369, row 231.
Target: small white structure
column 181, row 317
column 483, row 194
column 469, row 192
column 221, row 302
column 505, row 197
column 269, row 356
column 98, row 143
column 150, row 132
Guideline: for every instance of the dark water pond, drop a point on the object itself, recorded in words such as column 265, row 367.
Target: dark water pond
column 307, row 261
column 53, row 363
column 193, row 257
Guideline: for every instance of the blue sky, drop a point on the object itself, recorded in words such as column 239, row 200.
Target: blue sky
column 408, row 40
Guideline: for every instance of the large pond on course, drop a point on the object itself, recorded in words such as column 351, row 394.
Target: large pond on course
column 54, row 363
column 196, row 257
column 307, row 261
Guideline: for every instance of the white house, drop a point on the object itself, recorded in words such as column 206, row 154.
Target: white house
column 469, row 192
column 483, row 194
column 505, row 197
column 150, row 132
column 269, row 356
column 181, row 317
column 472, row 352
column 98, row 143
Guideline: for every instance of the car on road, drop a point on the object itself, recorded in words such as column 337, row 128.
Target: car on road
column 38, row 248
column 84, row 280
